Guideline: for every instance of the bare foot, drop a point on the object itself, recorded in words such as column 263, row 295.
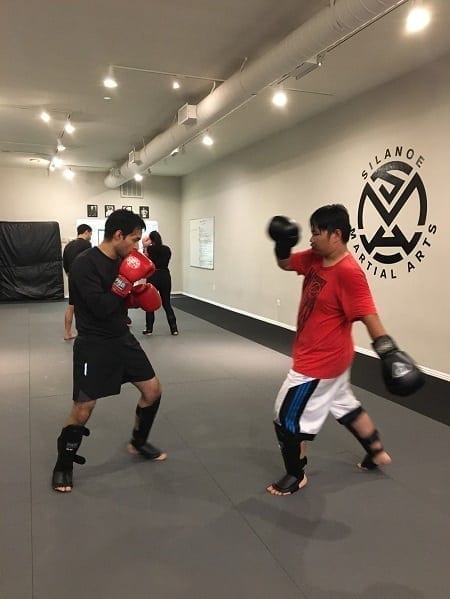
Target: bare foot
column 158, row 458
column 63, row 489
column 274, row 491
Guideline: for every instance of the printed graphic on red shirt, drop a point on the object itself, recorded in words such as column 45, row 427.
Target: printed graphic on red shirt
column 312, row 286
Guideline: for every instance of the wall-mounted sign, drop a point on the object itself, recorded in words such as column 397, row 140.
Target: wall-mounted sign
column 393, row 235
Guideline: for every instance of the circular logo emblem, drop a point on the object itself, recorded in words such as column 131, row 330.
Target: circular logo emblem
column 392, row 215
column 392, row 206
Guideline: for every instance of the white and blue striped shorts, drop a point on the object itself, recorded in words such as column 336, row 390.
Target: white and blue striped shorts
column 303, row 403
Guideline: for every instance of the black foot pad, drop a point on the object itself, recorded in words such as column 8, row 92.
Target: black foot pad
column 368, row 463
column 148, row 451
column 287, row 484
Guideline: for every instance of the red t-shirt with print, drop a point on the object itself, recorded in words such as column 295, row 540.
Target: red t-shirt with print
column 332, row 298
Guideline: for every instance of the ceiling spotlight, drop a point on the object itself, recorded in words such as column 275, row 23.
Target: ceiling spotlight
column 51, row 166
column 45, row 116
column 279, row 98
column 207, row 140
column 418, row 18
column 57, row 161
column 68, row 127
column 60, row 146
column 68, row 174
column 138, row 177
column 175, row 85
column 110, row 81
column 174, row 152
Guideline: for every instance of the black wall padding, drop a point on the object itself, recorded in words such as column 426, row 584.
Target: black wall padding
column 30, row 261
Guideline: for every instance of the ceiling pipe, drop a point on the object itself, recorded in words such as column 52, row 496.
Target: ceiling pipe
column 325, row 29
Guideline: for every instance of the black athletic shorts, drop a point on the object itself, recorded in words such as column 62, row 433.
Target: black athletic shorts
column 100, row 367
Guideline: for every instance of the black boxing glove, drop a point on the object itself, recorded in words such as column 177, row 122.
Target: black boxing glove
column 286, row 233
column 400, row 373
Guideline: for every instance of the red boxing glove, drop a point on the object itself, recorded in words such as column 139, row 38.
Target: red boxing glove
column 136, row 266
column 121, row 286
column 144, row 296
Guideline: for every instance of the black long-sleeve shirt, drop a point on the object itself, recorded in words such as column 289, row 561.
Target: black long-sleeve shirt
column 160, row 255
column 99, row 312
column 71, row 251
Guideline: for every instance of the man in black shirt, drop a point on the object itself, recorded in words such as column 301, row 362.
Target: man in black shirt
column 105, row 353
column 71, row 251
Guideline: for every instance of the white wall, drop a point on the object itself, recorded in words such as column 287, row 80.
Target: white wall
column 32, row 195
column 319, row 162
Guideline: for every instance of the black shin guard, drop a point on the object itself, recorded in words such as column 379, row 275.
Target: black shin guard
column 366, row 442
column 145, row 418
column 68, row 444
column 290, row 451
column 291, row 482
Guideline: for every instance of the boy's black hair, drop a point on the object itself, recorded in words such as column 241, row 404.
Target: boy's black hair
column 332, row 217
column 122, row 220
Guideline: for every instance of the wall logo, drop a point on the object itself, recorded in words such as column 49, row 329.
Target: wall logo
column 392, row 234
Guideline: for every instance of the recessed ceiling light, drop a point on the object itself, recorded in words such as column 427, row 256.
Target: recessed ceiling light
column 418, row 18
column 279, row 98
column 45, row 116
column 207, row 140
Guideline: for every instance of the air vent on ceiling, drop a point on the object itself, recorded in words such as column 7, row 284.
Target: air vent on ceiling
column 187, row 114
column 131, row 189
column 134, row 158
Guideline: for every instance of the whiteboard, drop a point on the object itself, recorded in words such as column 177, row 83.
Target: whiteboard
column 201, row 237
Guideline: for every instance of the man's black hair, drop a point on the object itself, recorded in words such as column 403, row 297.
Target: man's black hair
column 83, row 228
column 332, row 217
column 122, row 220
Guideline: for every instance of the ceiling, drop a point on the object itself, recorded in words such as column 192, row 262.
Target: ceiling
column 56, row 54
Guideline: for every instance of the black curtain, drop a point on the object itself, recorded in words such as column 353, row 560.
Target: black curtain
column 30, row 261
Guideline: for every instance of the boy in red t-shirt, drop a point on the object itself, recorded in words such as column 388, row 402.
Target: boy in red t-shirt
column 335, row 294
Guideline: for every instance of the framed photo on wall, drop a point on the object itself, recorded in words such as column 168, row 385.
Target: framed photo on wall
column 109, row 208
column 129, row 208
column 92, row 210
column 144, row 211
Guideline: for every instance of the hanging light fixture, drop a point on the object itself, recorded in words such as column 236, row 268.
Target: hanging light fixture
column 68, row 174
column 110, row 81
column 68, row 127
column 57, row 161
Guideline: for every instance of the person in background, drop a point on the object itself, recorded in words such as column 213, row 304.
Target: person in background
column 335, row 294
column 71, row 251
column 105, row 354
column 160, row 255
